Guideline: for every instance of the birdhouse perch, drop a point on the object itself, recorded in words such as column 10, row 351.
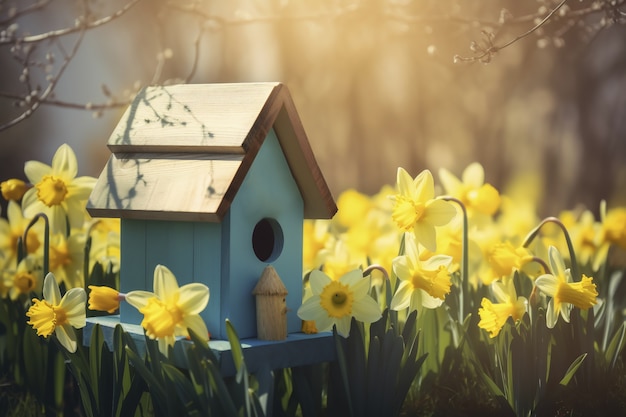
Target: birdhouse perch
column 271, row 306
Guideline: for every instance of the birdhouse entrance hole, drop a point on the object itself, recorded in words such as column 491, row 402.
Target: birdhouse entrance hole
column 267, row 240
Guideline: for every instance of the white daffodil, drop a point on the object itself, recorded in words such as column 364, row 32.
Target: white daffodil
column 335, row 302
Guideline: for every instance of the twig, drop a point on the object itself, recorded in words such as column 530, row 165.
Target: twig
column 492, row 49
column 66, row 31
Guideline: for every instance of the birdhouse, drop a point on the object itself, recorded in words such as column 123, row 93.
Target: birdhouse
column 213, row 181
column 271, row 306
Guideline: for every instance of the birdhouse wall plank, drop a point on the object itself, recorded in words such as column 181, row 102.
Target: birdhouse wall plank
column 133, row 274
column 268, row 192
column 207, row 261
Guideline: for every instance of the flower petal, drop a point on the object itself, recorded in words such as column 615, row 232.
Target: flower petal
column 428, row 301
column 547, row 284
column 51, row 292
column 352, row 277
column 449, row 182
column 402, row 297
column 500, row 292
column 426, row 235
column 139, row 298
column 165, row 284
column 35, row 171
column 343, row 325
column 439, row 212
column 434, row 262
column 366, row 310
column 66, row 336
column 424, row 186
column 556, row 262
column 318, row 280
column 474, row 175
column 404, row 182
column 361, row 287
column 311, row 308
column 551, row 315
column 193, row 298
column 73, row 302
column 64, row 162
column 197, row 325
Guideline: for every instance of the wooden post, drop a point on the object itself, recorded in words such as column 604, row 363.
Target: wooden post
column 271, row 306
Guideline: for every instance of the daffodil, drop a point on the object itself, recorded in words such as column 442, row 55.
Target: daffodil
column 422, row 283
column 565, row 293
column 13, row 189
column 58, row 315
column 58, row 193
column 67, row 258
column 12, row 229
column 494, row 315
column 103, row 298
column 503, row 259
column 171, row 310
column 614, row 225
column 476, row 195
column 26, row 278
column 315, row 238
column 335, row 302
column 105, row 243
column 416, row 209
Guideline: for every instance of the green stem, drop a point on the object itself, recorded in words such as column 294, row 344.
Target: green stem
column 46, row 240
column 464, row 261
column 572, row 255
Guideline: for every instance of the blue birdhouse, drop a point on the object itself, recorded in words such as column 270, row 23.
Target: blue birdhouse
column 213, row 181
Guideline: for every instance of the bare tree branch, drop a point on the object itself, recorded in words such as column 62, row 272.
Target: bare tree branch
column 81, row 26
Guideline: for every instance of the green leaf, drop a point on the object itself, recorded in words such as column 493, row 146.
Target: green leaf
column 615, row 346
column 572, row 369
column 183, row 387
column 343, row 368
column 235, row 345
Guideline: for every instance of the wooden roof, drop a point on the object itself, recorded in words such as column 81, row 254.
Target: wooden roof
column 181, row 152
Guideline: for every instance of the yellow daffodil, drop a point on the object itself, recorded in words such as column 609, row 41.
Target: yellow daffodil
column 13, row 189
column 422, row 283
column 316, row 237
column 58, row 193
column 26, row 278
column 335, row 302
column 12, row 228
column 503, row 259
column 171, row 310
column 102, row 298
column 494, row 315
column 586, row 235
column 105, row 243
column 565, row 293
column 58, row 315
column 67, row 257
column 614, row 225
column 339, row 260
column 416, row 209
column 476, row 195
column 352, row 207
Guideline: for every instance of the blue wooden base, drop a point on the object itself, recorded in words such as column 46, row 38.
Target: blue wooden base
column 298, row 349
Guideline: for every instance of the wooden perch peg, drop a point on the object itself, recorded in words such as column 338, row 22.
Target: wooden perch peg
column 271, row 306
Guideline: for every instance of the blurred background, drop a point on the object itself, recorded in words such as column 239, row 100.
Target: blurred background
column 530, row 89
